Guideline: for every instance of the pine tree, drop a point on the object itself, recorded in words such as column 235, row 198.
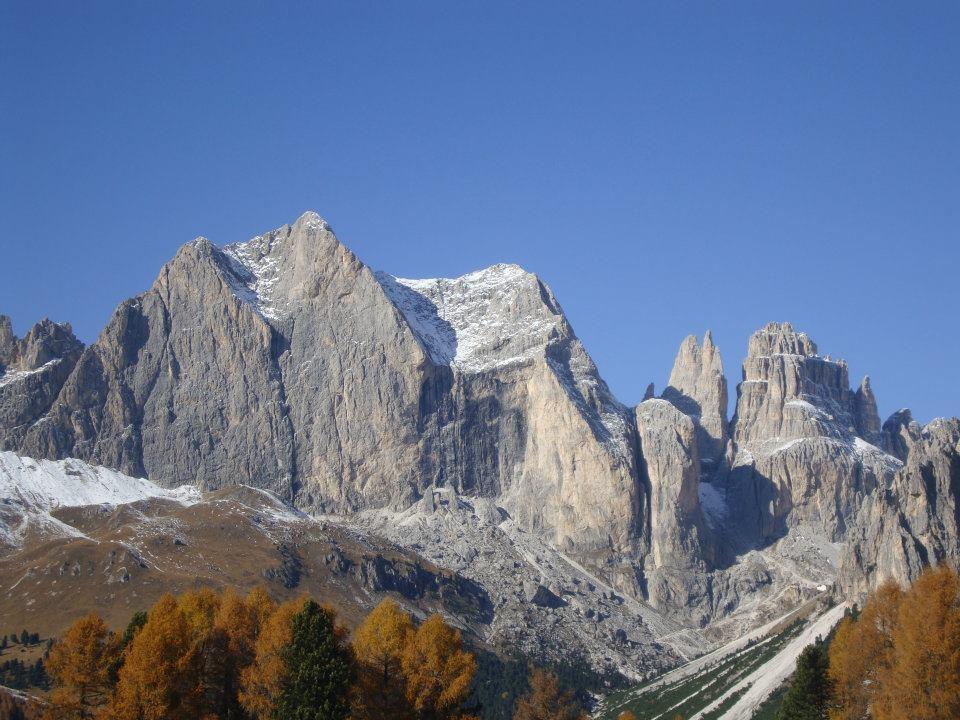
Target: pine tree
column 810, row 693
column 135, row 624
column 24, row 638
column 319, row 668
column 79, row 666
column 378, row 644
column 547, row 701
column 438, row 670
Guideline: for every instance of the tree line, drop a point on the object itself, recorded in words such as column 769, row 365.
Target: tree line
column 898, row 659
column 206, row 655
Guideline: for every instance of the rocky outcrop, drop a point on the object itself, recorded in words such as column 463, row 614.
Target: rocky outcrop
column 679, row 541
column 797, row 455
column 32, row 373
column 915, row 522
column 284, row 362
column 698, row 388
column 865, row 415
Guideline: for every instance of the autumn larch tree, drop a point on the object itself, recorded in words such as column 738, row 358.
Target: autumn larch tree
column 438, row 670
column 922, row 679
column 379, row 643
column 159, row 679
column 261, row 683
column 547, row 701
column 861, row 653
column 80, row 666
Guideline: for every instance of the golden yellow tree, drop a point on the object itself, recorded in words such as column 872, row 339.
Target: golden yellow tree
column 861, row 653
column 922, row 679
column 261, row 683
column 159, row 679
column 627, row 715
column 80, row 666
column 379, row 644
column 437, row 669
column 546, row 700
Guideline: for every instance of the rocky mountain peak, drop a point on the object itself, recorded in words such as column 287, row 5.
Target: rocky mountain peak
column 44, row 342
column 500, row 315
column 780, row 339
column 866, row 416
column 698, row 388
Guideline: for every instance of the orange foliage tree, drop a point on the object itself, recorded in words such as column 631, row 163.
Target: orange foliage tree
column 379, row 644
column 261, row 683
column 159, row 676
column 80, row 666
column 438, row 671
column 900, row 660
column 547, row 701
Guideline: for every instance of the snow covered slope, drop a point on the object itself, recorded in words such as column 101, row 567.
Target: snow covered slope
column 48, row 484
column 31, row 489
column 496, row 316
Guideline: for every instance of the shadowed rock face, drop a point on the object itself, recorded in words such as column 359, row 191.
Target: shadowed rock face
column 32, row 373
column 698, row 388
column 915, row 521
column 284, row 362
column 797, row 456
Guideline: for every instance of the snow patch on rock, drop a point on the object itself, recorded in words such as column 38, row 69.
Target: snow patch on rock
column 479, row 321
column 52, row 484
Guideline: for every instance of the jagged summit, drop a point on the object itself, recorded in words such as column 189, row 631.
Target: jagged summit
column 496, row 316
column 698, row 388
column 779, row 338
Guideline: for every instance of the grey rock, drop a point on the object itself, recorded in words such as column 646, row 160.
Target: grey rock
column 866, row 417
column 33, row 371
column 698, row 387
column 680, row 545
column 797, row 455
column 914, row 522
column 285, row 363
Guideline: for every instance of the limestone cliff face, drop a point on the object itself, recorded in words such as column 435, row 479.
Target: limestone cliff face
column 797, row 455
column 284, row 362
column 915, row 521
column 698, row 388
column 33, row 370
column 679, row 539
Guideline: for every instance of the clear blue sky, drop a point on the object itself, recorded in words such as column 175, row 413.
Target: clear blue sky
column 666, row 167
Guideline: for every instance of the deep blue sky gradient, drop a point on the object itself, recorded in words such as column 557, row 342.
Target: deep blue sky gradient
column 666, row 167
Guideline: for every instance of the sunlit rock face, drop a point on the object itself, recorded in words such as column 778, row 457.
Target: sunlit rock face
column 698, row 388
column 286, row 363
column 796, row 454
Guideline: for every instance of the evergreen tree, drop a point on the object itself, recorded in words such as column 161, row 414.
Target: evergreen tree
column 320, row 669
column 136, row 623
column 3, row 643
column 24, row 638
column 810, row 693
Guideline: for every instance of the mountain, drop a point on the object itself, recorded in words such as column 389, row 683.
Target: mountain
column 462, row 424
